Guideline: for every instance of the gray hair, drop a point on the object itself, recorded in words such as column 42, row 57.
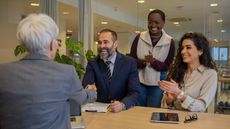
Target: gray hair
column 36, row 32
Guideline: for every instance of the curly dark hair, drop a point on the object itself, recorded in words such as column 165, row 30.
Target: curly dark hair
column 178, row 68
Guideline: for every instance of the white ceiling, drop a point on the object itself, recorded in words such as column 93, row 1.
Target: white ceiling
column 126, row 15
column 203, row 17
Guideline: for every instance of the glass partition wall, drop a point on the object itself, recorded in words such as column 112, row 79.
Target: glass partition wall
column 11, row 12
column 209, row 17
column 127, row 18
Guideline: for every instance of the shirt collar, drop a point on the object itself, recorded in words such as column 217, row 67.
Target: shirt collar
column 36, row 56
column 113, row 58
column 201, row 68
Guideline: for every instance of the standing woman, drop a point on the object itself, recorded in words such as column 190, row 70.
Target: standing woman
column 192, row 81
column 154, row 51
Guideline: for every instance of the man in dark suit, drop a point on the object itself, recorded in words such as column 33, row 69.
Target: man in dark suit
column 116, row 82
column 35, row 91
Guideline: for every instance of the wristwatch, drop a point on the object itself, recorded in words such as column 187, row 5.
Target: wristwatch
column 180, row 96
column 123, row 106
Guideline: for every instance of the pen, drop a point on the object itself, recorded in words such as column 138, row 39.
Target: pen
column 90, row 110
column 109, row 109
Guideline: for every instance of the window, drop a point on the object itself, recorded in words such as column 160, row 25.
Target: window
column 220, row 55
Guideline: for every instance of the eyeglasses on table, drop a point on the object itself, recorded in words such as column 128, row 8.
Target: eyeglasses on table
column 190, row 118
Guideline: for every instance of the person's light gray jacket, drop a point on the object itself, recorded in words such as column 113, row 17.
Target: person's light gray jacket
column 35, row 94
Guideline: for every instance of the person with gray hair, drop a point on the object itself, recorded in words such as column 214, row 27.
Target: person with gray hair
column 35, row 91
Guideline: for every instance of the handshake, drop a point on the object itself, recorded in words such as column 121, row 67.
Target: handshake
column 91, row 87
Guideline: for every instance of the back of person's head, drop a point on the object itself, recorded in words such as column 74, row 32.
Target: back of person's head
column 36, row 32
column 159, row 12
column 114, row 34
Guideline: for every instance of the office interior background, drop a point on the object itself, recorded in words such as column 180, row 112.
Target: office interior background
column 83, row 19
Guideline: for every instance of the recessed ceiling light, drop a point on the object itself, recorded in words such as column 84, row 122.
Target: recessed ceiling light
column 137, row 31
column 223, row 31
column 151, row 9
column 213, row 4
column 65, row 13
column 176, row 23
column 215, row 40
column 141, row 1
column 34, row 4
column 219, row 20
column 96, row 42
column 69, row 31
column 104, row 23
column 179, row 7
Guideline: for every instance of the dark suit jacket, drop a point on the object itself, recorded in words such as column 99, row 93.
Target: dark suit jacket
column 124, row 84
column 35, row 94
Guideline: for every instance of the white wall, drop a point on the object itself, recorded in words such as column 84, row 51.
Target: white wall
column 8, row 24
column 125, row 42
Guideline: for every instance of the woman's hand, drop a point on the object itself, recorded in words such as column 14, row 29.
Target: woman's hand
column 149, row 59
column 170, row 87
column 172, row 90
column 141, row 63
column 170, row 98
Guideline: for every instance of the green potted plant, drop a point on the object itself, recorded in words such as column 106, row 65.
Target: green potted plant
column 75, row 47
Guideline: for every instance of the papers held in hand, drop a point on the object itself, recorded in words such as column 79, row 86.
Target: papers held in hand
column 95, row 107
column 162, row 117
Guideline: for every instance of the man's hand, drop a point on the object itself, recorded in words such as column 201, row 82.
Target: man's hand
column 116, row 106
column 91, row 87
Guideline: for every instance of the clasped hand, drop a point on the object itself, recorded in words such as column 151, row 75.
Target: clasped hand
column 170, row 87
column 91, row 87
column 149, row 58
column 116, row 106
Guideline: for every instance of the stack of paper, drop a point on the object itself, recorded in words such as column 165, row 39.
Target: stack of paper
column 95, row 107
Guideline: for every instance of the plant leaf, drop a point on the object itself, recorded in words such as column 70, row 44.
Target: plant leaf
column 19, row 50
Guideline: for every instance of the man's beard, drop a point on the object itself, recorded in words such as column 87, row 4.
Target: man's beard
column 105, row 53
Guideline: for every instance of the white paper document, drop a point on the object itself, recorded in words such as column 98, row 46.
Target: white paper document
column 77, row 122
column 95, row 107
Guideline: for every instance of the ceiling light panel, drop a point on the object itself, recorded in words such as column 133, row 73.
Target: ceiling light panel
column 140, row 1
column 104, row 23
column 65, row 13
column 213, row 4
column 34, row 4
column 219, row 20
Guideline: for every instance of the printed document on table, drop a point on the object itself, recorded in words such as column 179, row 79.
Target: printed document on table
column 77, row 122
column 95, row 107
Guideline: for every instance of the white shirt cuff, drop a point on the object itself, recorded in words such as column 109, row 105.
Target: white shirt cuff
column 187, row 102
